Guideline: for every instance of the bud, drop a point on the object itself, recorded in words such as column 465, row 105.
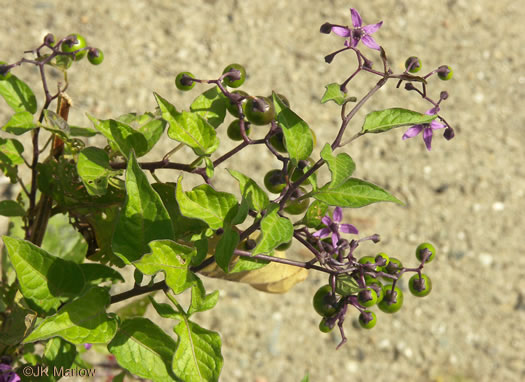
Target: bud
column 326, row 28
column 443, row 95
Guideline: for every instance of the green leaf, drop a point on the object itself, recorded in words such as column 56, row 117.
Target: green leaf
column 354, row 193
column 77, row 131
column 316, row 211
column 298, row 138
column 11, row 208
column 198, row 357
column 127, row 139
column 209, row 167
column 152, row 131
column 81, row 321
column 142, row 219
column 94, row 170
column 346, row 285
column 58, row 354
column 21, row 122
column 224, row 251
column 173, row 260
column 189, row 128
column 244, row 264
column 384, row 120
column 166, row 310
column 45, row 281
column 211, row 106
column 275, row 229
column 17, row 323
column 96, row 274
column 206, row 204
column 63, row 241
column 56, row 124
column 10, row 157
column 341, row 166
column 18, row 95
column 144, row 349
column 182, row 226
column 200, row 301
column 306, row 378
column 134, row 308
column 250, row 190
column 334, row 93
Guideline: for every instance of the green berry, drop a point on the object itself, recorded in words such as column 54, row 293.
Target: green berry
column 229, row 81
column 73, row 43
column 367, row 260
column 392, row 300
column 445, row 72
column 95, row 56
column 421, row 247
column 367, row 319
column 420, row 287
column 367, row 298
column 232, row 107
column 5, row 75
column 324, row 327
column 277, row 142
column 294, row 207
column 393, row 267
column 414, row 63
column 325, row 303
column 378, row 287
column 380, row 256
column 183, row 81
column 234, row 130
column 259, row 110
column 274, row 181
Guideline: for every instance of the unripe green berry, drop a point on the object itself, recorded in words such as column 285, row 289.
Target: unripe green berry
column 367, row 298
column 420, row 249
column 324, row 302
column 95, row 56
column 324, row 327
column 414, row 63
column 234, row 83
column 367, row 319
column 6, row 75
column 392, row 301
column 420, row 287
column 297, row 207
column 183, row 81
column 232, row 107
column 274, row 181
column 73, row 43
column 445, row 72
column 259, row 110
column 234, row 130
column 277, row 142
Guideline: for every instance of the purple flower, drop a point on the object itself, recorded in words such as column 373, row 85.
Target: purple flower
column 87, row 346
column 427, row 128
column 333, row 227
column 7, row 374
column 359, row 32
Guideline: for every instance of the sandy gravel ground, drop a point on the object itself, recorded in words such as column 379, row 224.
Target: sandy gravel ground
column 466, row 196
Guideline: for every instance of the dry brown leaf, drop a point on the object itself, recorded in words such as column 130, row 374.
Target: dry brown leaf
column 272, row 278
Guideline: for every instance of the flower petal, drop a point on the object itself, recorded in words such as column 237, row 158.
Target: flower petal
column 372, row 28
column 354, row 39
column 434, row 125
column 326, row 220
column 322, row 233
column 427, row 137
column 338, row 214
column 341, row 31
column 370, row 42
column 335, row 239
column 348, row 228
column 412, row 132
column 356, row 18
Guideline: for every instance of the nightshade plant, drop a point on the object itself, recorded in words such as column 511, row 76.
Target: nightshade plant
column 85, row 212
